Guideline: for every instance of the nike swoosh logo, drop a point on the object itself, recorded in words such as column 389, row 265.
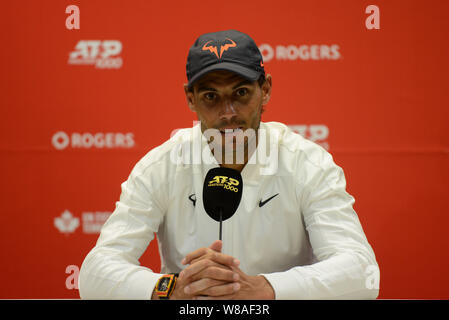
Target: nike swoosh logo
column 192, row 198
column 262, row 203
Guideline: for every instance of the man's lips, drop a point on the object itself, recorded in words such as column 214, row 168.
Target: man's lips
column 230, row 130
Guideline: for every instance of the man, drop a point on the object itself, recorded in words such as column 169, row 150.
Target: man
column 294, row 235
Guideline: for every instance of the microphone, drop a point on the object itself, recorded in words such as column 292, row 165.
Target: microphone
column 222, row 192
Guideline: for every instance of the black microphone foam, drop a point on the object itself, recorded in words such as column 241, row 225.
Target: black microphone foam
column 222, row 190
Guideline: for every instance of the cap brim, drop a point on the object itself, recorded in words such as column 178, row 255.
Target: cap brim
column 246, row 73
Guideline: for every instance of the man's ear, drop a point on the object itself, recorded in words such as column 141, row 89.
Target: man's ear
column 266, row 89
column 190, row 98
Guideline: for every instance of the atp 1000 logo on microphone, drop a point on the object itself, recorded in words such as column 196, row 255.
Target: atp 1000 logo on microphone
column 225, row 182
column 62, row 140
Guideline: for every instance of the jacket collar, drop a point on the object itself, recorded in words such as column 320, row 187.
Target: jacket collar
column 251, row 172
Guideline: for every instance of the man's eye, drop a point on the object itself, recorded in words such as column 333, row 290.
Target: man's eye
column 210, row 96
column 242, row 92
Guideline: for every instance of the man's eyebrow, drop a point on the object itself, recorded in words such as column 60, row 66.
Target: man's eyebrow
column 241, row 83
column 204, row 88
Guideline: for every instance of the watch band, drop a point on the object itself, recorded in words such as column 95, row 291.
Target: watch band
column 166, row 285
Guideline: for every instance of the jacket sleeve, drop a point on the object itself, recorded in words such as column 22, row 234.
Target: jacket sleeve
column 346, row 266
column 112, row 270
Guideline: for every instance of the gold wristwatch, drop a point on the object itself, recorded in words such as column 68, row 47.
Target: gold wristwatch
column 166, row 285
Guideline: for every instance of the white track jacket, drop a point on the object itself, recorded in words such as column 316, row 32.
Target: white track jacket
column 307, row 240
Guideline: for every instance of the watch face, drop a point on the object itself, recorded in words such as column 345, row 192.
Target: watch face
column 163, row 285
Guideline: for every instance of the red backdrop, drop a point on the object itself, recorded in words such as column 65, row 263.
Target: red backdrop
column 80, row 107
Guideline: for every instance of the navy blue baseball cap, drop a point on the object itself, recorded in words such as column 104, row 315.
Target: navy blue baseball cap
column 229, row 50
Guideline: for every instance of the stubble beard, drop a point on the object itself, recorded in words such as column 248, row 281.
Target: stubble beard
column 237, row 147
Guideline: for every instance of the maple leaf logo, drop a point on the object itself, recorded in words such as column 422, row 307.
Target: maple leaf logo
column 67, row 223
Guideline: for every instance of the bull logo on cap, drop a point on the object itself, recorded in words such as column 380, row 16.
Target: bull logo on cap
column 223, row 48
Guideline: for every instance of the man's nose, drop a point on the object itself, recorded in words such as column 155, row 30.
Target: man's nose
column 227, row 111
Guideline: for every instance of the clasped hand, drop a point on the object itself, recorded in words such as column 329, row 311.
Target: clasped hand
column 211, row 274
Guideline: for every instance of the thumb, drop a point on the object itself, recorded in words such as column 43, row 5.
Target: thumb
column 216, row 245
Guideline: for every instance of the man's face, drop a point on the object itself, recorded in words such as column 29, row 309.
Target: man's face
column 224, row 100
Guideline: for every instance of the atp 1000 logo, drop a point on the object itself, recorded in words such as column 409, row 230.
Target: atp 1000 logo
column 225, row 182
column 101, row 54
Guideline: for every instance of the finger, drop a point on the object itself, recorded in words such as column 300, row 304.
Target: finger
column 225, row 259
column 193, row 255
column 216, row 245
column 198, row 286
column 195, row 268
column 201, row 273
column 221, row 290
column 214, row 262
column 202, row 252
column 219, row 258
column 199, row 253
column 210, row 287
column 217, row 273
